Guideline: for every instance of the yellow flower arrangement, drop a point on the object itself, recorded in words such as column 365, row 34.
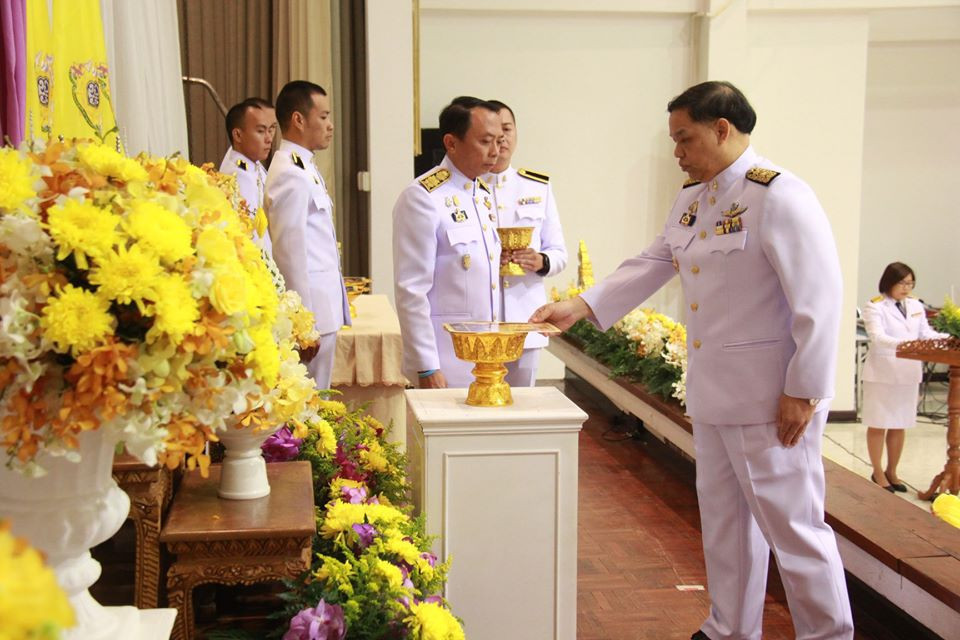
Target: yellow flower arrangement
column 137, row 303
column 32, row 604
column 430, row 621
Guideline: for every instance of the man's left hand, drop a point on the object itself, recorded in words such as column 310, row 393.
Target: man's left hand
column 529, row 259
column 793, row 416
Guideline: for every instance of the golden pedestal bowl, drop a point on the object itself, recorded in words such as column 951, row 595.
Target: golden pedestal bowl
column 489, row 345
column 355, row 286
column 512, row 239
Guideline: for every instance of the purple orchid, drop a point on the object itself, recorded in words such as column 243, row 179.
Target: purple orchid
column 354, row 495
column 366, row 532
column 281, row 446
column 323, row 622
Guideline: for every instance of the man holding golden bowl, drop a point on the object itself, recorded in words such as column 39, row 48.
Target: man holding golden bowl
column 525, row 208
column 446, row 251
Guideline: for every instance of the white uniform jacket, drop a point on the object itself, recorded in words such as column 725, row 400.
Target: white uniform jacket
column 886, row 328
column 304, row 241
column 525, row 199
column 251, row 179
column 761, row 276
column 446, row 261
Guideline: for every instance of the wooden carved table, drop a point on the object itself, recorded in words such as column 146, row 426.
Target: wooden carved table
column 233, row 542
column 150, row 490
column 945, row 352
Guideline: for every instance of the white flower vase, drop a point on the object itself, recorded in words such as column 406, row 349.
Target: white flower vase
column 244, row 472
column 64, row 513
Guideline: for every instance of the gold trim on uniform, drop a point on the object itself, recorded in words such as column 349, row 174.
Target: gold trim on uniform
column 876, row 299
column 734, row 210
column 536, row 176
column 297, row 160
column 435, row 179
column 466, row 262
column 241, row 164
column 529, row 200
column 762, row 176
column 690, row 182
column 483, row 185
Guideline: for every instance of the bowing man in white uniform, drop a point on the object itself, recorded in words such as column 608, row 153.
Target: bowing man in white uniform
column 446, row 252
column 890, row 384
column 761, row 276
column 251, row 127
column 524, row 198
column 301, row 218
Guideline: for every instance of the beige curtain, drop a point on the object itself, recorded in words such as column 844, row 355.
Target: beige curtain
column 227, row 43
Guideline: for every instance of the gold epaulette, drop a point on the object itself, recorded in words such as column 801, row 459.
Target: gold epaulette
column 690, row 182
column 435, row 179
column 297, row 160
column 876, row 299
column 533, row 175
column 241, row 164
column 483, row 185
column 762, row 176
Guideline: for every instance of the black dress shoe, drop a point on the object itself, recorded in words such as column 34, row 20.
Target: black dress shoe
column 897, row 486
column 889, row 487
column 699, row 635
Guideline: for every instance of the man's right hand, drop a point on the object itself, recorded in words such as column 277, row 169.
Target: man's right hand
column 562, row 314
column 434, row 381
column 308, row 354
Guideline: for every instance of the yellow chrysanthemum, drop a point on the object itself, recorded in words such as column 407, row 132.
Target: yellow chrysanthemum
column 16, row 180
column 373, row 458
column 341, row 516
column 265, row 357
column 333, row 408
column 403, row 549
column 128, row 275
column 388, row 572
column 32, row 604
column 175, row 311
column 109, row 162
column 76, row 320
column 159, row 230
column 83, row 229
column 327, row 442
column 430, row 621
column 338, row 484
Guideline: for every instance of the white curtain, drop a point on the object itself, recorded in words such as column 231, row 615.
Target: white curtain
column 143, row 49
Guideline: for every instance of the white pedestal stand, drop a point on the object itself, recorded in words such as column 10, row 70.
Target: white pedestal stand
column 499, row 488
column 65, row 513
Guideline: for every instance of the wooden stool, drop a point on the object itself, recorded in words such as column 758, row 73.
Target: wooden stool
column 150, row 490
column 234, row 542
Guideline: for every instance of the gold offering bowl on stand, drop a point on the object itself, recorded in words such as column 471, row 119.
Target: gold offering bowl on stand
column 355, row 286
column 490, row 345
column 512, row 239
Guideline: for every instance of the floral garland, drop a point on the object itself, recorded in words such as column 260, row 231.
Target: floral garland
column 373, row 575
column 32, row 604
column 133, row 299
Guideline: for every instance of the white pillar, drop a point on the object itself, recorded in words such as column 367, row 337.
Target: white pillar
column 499, row 489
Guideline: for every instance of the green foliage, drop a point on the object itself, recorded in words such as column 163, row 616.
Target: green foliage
column 948, row 320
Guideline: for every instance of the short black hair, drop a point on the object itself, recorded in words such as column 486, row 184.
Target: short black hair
column 501, row 106
column 708, row 101
column 455, row 117
column 237, row 112
column 894, row 273
column 296, row 95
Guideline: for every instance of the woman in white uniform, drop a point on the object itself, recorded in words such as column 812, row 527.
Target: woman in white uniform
column 890, row 384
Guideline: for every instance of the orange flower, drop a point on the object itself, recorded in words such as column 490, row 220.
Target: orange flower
column 186, row 440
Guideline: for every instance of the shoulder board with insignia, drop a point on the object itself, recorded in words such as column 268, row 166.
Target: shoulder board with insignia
column 483, row 185
column 877, row 299
column 762, row 176
column 241, row 164
column 690, row 182
column 533, row 175
column 435, row 179
column 297, row 160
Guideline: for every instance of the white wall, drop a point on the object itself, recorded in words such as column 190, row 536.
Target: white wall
column 390, row 113
column 911, row 157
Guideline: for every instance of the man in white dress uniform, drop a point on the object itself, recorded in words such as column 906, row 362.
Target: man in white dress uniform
column 524, row 198
column 251, row 127
column 760, row 273
column 446, row 252
column 301, row 218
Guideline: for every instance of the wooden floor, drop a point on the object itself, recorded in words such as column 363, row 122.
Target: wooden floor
column 640, row 558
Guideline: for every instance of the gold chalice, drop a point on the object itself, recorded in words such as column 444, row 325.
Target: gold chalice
column 355, row 286
column 490, row 345
column 514, row 238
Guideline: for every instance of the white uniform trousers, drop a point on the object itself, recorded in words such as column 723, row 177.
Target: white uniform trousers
column 755, row 494
column 321, row 367
column 522, row 372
